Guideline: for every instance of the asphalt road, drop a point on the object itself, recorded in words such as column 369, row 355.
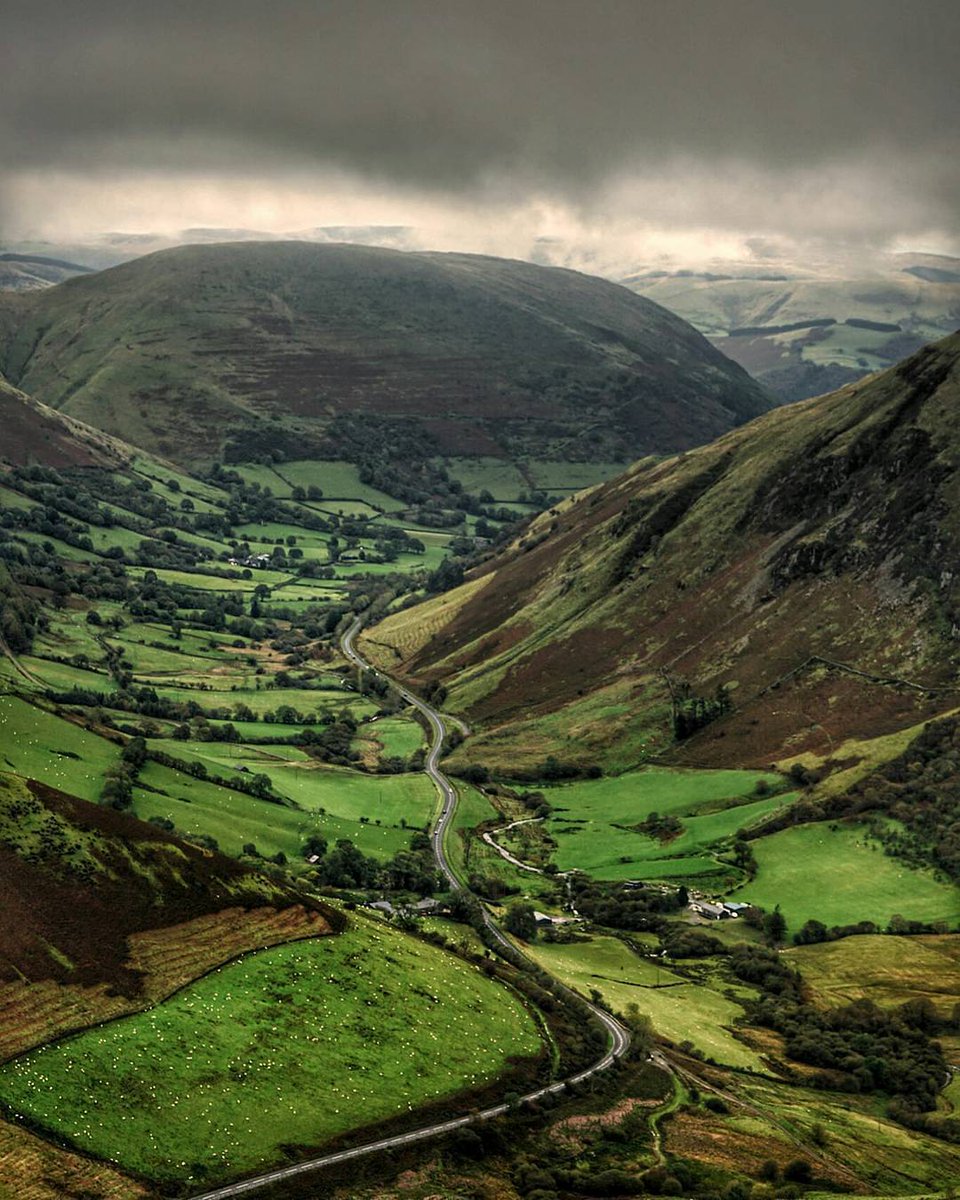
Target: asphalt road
column 619, row 1037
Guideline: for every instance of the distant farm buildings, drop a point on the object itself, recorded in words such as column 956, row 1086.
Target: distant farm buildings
column 716, row 912
column 252, row 560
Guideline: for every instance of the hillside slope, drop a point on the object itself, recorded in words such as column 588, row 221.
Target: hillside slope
column 34, row 433
column 80, row 879
column 266, row 344
column 821, row 540
column 30, row 272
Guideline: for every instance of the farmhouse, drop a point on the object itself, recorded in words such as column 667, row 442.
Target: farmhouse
column 717, row 912
column 542, row 919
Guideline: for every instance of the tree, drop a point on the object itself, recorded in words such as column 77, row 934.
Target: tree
column 775, row 926
column 521, row 922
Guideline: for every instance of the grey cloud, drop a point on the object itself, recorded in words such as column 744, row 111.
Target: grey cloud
column 457, row 97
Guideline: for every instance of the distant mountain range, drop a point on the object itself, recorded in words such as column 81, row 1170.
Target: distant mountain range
column 805, row 333
column 798, row 580
column 247, row 347
column 29, row 272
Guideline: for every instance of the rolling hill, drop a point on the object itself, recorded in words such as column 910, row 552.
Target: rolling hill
column 803, row 332
column 29, row 272
column 201, row 349
column 806, row 564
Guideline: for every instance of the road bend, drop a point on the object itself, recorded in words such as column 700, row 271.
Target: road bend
column 618, row 1036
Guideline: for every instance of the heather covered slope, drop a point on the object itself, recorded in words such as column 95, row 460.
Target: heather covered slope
column 806, row 563
column 186, row 350
column 34, row 433
column 80, row 879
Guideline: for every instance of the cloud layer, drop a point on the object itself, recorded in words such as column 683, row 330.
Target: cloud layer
column 836, row 119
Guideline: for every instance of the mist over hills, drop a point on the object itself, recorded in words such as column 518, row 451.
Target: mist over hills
column 806, row 563
column 803, row 329
column 802, row 318
column 190, row 350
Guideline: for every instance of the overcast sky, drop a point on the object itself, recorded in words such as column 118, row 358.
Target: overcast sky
column 683, row 124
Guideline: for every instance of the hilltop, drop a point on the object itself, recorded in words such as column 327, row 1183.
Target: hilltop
column 804, row 564
column 29, row 272
column 200, row 350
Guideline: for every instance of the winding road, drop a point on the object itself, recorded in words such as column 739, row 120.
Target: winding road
column 619, row 1037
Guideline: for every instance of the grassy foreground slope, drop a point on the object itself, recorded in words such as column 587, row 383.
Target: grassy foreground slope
column 322, row 1037
column 796, row 562
column 177, row 350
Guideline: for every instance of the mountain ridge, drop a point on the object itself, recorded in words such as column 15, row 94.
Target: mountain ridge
column 483, row 355
column 823, row 532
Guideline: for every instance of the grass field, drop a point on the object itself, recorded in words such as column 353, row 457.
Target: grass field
column 333, row 801
column 339, row 481
column 680, row 1010
column 396, row 736
column 553, row 477
column 473, row 809
column 838, row 875
column 896, row 1161
column 324, row 1036
column 593, row 821
column 503, row 480
column 887, row 970
column 39, row 745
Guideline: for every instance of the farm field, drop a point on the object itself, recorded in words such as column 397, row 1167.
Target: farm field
column 339, row 481
column 39, row 745
column 397, row 737
column 356, row 1041
column 594, row 821
column 839, row 875
column 680, row 1010
column 556, row 477
column 887, row 970
column 473, row 809
column 503, row 480
column 332, row 803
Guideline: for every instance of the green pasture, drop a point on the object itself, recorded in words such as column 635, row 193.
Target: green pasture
column 552, row 477
column 204, row 582
column 473, row 808
column 190, row 486
column 39, row 745
column 593, row 821
column 324, row 1036
column 331, row 801
column 62, row 676
column 838, row 874
column 13, row 499
column 233, row 756
column 680, row 1010
column 503, row 480
column 62, row 549
column 397, row 737
column 265, row 534
column 339, row 481
column 351, row 795
column 305, row 700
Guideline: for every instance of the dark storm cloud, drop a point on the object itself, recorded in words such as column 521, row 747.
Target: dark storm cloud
column 458, row 96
